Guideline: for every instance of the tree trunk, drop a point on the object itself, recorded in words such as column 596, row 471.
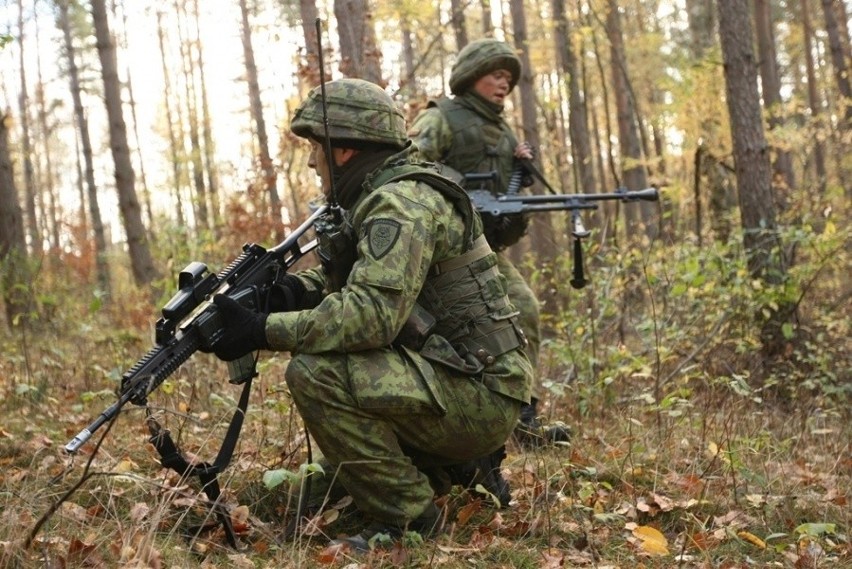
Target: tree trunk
column 13, row 247
column 458, row 22
column 702, row 26
column 267, row 168
column 751, row 159
column 814, row 101
column 176, row 148
column 47, row 186
column 839, row 60
column 360, row 56
column 487, row 26
column 141, row 262
column 199, row 202
column 131, row 101
column 771, row 83
column 206, row 127
column 541, row 229
column 99, row 237
column 32, row 226
column 408, row 59
column 633, row 170
column 309, row 70
column 578, row 127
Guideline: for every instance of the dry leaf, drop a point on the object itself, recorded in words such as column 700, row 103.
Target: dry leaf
column 125, row 466
column 552, row 559
column 76, row 512
column 468, row 510
column 139, row 512
column 240, row 561
column 333, row 552
column 665, row 504
column 653, row 541
column 752, row 539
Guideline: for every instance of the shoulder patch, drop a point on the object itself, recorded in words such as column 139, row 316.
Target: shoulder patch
column 382, row 236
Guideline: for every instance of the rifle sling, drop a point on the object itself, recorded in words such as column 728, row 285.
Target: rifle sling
column 171, row 457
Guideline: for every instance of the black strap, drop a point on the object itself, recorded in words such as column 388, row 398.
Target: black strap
column 170, row 457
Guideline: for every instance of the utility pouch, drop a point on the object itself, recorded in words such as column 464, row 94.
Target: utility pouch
column 416, row 329
column 438, row 349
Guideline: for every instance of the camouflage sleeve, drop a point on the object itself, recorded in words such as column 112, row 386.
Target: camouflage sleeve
column 313, row 279
column 431, row 135
column 398, row 236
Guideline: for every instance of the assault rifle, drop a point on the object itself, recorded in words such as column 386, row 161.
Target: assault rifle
column 513, row 203
column 190, row 321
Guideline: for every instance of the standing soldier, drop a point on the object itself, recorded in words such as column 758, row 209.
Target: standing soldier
column 408, row 365
column 469, row 134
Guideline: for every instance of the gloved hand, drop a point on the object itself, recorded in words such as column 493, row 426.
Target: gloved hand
column 245, row 330
column 287, row 295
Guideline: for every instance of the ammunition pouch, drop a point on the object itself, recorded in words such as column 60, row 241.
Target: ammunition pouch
column 471, row 349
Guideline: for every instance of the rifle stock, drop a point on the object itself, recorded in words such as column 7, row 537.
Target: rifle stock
column 191, row 321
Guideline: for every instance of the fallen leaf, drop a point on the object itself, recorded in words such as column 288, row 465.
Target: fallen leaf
column 652, row 541
column 752, row 539
column 125, row 466
column 139, row 512
column 240, row 561
column 665, row 504
column 552, row 559
column 333, row 552
column 467, row 511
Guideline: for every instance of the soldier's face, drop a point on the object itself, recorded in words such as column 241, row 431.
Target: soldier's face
column 494, row 86
column 318, row 161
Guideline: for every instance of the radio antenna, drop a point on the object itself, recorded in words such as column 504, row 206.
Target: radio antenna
column 332, row 194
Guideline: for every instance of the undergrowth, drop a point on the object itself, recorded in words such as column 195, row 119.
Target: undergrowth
column 690, row 447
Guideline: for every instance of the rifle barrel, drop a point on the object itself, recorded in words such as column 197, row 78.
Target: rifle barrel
column 648, row 194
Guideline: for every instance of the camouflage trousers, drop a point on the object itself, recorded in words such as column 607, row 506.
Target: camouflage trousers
column 382, row 416
column 526, row 303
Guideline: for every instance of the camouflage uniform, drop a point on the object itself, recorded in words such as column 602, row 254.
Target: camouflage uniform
column 470, row 135
column 382, row 407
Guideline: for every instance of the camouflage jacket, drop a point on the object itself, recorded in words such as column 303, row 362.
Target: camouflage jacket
column 403, row 229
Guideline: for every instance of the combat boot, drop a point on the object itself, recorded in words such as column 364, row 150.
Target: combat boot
column 484, row 471
column 530, row 433
column 379, row 535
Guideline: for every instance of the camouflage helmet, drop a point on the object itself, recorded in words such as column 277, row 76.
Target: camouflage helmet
column 480, row 57
column 358, row 112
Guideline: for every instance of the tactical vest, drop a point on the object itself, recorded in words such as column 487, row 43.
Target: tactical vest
column 463, row 318
column 479, row 146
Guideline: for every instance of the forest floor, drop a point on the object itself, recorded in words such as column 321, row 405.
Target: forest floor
column 721, row 478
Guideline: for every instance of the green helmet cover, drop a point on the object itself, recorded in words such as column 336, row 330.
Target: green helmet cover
column 358, row 112
column 480, row 57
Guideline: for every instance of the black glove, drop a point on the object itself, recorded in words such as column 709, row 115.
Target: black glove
column 287, row 295
column 245, row 330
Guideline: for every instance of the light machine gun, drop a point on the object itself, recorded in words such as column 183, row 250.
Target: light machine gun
column 513, row 203
column 191, row 322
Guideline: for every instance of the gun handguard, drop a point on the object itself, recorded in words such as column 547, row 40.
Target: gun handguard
column 191, row 321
